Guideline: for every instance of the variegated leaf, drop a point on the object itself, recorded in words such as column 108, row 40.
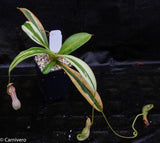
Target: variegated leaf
column 31, row 30
column 27, row 54
column 31, row 17
column 84, row 70
column 82, row 85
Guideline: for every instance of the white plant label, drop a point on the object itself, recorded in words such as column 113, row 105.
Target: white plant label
column 55, row 41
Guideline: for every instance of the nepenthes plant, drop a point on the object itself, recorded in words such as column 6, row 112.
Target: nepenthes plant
column 82, row 75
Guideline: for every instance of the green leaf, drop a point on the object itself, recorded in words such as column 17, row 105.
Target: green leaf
column 27, row 54
column 31, row 30
column 48, row 67
column 84, row 70
column 83, row 87
column 74, row 42
column 31, row 17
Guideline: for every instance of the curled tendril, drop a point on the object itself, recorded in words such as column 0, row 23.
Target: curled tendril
column 16, row 104
column 85, row 132
column 144, row 113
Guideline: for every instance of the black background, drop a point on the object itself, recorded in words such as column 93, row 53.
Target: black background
column 126, row 29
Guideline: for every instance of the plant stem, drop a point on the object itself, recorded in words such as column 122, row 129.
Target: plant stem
column 92, row 115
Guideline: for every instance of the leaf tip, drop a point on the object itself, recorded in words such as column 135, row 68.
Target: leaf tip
column 44, row 72
column 92, row 35
column 19, row 8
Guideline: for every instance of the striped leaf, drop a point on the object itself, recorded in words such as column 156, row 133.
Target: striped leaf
column 27, row 54
column 31, row 17
column 31, row 30
column 74, row 42
column 48, row 67
column 84, row 70
column 83, row 87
